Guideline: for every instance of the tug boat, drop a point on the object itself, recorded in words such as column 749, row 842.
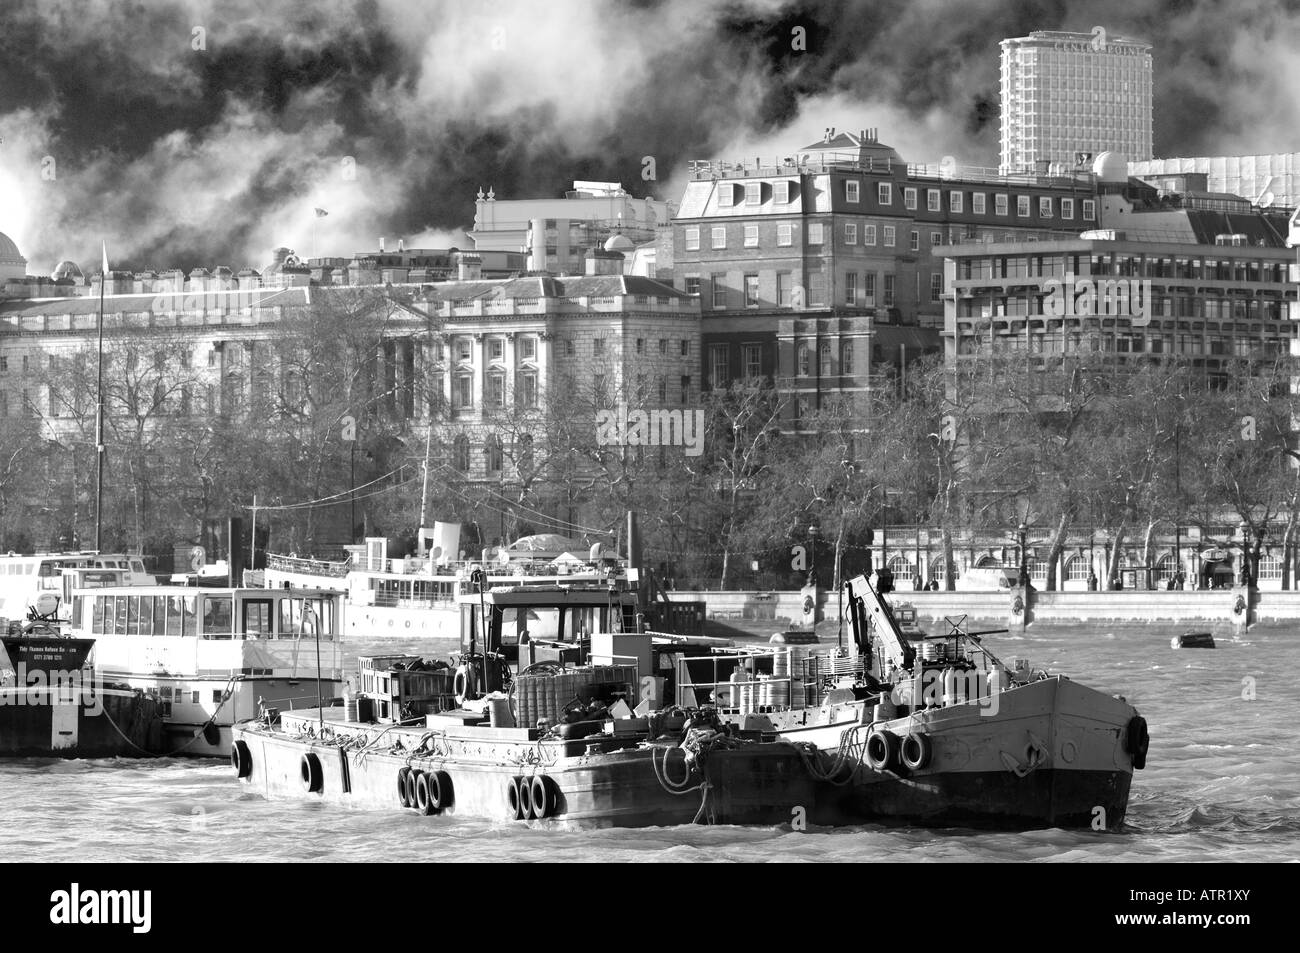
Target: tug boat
column 937, row 730
column 52, row 705
column 544, row 715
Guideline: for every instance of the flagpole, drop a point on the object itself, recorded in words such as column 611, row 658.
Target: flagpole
column 99, row 414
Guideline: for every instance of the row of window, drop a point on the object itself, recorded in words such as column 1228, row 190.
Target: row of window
column 213, row 618
column 859, row 289
column 751, row 361
column 1132, row 266
column 640, row 344
column 1057, row 342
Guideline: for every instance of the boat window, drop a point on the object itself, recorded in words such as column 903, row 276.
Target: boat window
column 189, row 612
column 119, row 615
column 137, row 566
column 582, row 622
column 173, row 615
column 290, row 618
column 541, row 622
column 318, row 617
column 146, row 614
column 132, row 615
column 217, row 617
column 257, row 617
column 159, row 615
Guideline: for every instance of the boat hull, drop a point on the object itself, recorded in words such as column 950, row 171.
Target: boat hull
column 613, row 783
column 42, row 723
column 1051, row 753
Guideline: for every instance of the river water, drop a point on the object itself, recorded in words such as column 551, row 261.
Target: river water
column 1222, row 783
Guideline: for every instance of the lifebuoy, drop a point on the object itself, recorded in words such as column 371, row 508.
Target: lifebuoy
column 401, row 787
column 882, row 750
column 313, row 777
column 1137, row 740
column 513, row 802
column 1018, row 606
column 543, row 796
column 241, row 759
column 464, row 684
column 915, row 751
column 423, row 798
column 1239, row 606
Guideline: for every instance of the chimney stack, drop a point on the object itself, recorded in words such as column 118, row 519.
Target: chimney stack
column 381, row 243
column 401, row 244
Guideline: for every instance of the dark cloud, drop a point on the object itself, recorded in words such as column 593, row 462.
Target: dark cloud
column 183, row 157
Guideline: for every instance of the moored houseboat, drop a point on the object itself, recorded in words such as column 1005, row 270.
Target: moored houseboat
column 214, row 656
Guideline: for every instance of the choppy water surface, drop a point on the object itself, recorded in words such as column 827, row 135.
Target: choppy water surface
column 1222, row 783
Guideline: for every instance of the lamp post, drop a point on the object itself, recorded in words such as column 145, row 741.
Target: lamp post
column 1024, row 565
column 813, row 530
column 350, row 438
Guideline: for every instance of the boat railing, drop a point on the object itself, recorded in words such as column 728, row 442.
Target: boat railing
column 309, row 565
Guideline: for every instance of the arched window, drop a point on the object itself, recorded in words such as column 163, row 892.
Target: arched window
column 1270, row 567
column 824, row 367
column 1077, row 569
column 939, row 570
column 803, row 360
column 1038, row 569
column 846, row 357
column 460, row 453
column 900, row 567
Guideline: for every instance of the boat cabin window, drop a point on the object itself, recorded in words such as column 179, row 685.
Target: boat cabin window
column 257, row 618
column 217, row 617
column 142, row 615
column 305, row 617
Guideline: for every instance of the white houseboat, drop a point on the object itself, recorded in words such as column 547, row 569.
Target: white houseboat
column 214, row 656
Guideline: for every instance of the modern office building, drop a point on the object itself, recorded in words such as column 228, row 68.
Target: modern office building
column 1068, row 97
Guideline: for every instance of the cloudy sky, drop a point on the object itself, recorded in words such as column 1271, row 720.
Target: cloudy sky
column 204, row 132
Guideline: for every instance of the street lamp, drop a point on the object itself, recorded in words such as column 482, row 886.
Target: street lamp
column 349, row 435
column 1024, row 565
column 813, row 530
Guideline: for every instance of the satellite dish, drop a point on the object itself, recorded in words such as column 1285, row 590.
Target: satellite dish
column 504, row 556
column 47, row 603
column 594, row 554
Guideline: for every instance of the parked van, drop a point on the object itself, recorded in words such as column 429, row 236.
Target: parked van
column 987, row 580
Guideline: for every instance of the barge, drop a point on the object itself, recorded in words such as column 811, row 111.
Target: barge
column 534, row 720
column 57, row 707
